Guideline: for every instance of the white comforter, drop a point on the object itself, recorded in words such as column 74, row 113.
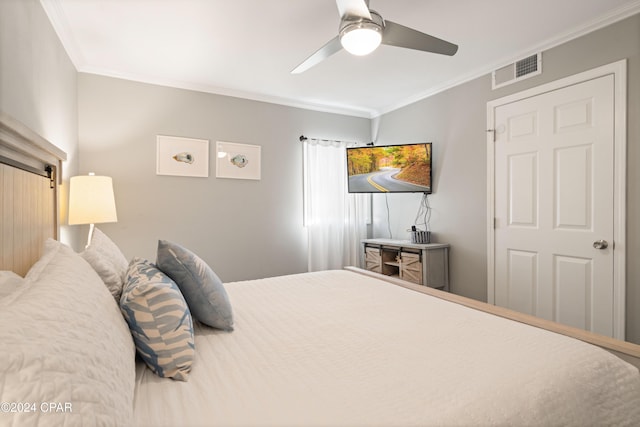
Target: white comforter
column 338, row 348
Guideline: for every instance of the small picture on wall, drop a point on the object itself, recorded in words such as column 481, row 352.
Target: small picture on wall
column 182, row 156
column 238, row 161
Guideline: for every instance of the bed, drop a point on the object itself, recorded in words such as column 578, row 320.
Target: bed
column 340, row 348
column 332, row 348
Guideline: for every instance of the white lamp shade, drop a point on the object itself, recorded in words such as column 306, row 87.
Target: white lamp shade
column 91, row 200
column 361, row 41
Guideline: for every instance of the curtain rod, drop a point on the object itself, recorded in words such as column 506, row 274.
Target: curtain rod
column 304, row 138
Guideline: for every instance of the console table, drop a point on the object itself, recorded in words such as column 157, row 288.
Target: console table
column 425, row 264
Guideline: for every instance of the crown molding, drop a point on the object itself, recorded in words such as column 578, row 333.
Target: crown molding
column 60, row 24
column 347, row 110
column 55, row 12
column 588, row 27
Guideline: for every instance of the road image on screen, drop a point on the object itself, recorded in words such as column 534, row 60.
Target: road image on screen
column 392, row 168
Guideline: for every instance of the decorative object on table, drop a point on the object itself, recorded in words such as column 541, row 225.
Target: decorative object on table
column 239, row 161
column 420, row 236
column 91, row 201
column 182, row 156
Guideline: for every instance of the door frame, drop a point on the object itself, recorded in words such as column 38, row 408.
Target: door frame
column 619, row 71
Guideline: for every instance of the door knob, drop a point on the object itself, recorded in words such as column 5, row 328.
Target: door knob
column 600, row 244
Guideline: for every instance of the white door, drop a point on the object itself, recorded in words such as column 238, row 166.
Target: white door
column 554, row 205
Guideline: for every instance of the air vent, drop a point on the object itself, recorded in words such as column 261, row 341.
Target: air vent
column 519, row 70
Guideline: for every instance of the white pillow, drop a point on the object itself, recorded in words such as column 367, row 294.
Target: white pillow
column 9, row 282
column 65, row 341
column 108, row 261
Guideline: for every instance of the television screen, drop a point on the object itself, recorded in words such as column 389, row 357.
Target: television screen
column 390, row 169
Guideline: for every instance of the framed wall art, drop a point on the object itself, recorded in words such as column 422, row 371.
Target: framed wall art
column 182, row 156
column 237, row 161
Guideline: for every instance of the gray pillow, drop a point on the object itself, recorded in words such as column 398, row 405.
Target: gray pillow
column 202, row 288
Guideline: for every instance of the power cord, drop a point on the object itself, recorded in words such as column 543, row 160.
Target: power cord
column 424, row 212
column 386, row 199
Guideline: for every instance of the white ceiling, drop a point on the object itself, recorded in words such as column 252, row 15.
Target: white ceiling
column 247, row 48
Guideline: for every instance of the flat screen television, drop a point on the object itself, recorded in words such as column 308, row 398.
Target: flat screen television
column 389, row 168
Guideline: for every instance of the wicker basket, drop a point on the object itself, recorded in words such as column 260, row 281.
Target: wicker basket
column 420, row 236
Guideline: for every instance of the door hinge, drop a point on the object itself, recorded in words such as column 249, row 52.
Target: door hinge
column 51, row 174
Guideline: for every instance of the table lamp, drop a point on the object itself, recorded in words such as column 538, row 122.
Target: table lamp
column 91, row 201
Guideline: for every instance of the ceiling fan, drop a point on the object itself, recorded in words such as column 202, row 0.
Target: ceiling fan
column 362, row 30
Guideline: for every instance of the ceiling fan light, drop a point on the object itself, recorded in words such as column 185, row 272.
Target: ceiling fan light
column 361, row 39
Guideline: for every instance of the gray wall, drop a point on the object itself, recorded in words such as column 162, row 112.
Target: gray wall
column 38, row 83
column 243, row 229
column 455, row 121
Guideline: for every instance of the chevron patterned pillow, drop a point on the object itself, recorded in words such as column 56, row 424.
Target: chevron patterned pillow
column 159, row 320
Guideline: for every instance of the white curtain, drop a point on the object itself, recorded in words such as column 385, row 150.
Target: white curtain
column 336, row 221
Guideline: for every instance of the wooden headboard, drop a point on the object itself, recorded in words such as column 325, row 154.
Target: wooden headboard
column 30, row 171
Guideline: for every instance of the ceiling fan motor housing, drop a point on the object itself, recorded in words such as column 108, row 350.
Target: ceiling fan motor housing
column 352, row 22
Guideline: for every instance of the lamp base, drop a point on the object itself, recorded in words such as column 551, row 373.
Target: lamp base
column 91, row 227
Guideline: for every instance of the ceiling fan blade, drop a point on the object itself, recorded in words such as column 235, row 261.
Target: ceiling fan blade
column 401, row 36
column 353, row 8
column 320, row 55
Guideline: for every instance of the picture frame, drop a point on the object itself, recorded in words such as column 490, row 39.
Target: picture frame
column 180, row 156
column 238, row 161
